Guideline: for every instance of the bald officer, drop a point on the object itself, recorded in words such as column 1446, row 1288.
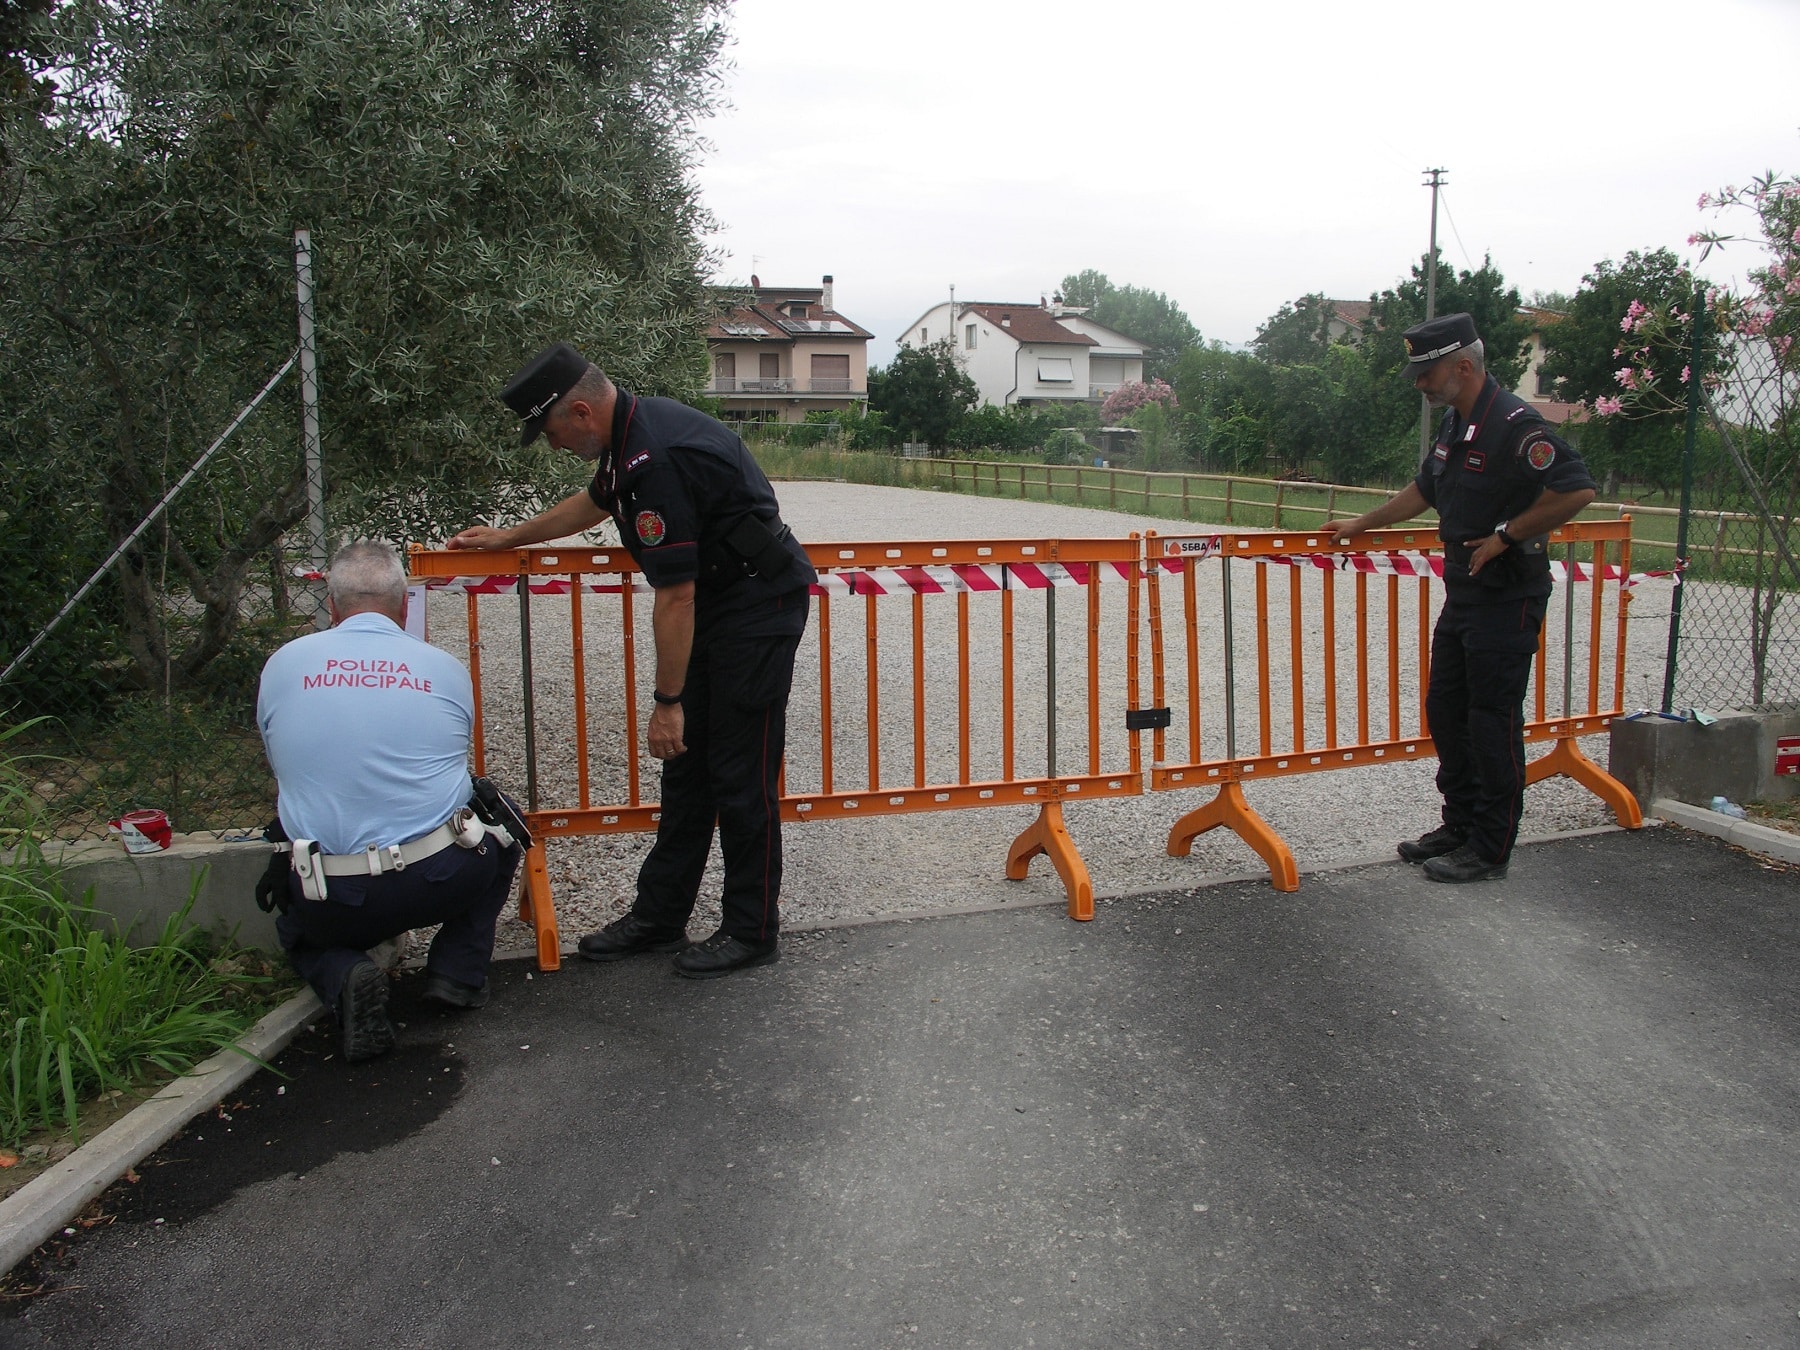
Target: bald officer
column 1500, row 480
column 731, row 595
column 367, row 729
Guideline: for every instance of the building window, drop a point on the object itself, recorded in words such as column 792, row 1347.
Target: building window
column 830, row 374
column 923, row 339
column 768, row 365
column 1056, row 370
column 725, row 372
column 1546, row 387
column 969, row 336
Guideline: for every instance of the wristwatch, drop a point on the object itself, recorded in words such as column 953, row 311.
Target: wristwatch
column 1501, row 534
column 667, row 700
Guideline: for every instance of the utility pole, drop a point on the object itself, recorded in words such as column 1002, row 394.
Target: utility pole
column 1434, row 182
column 953, row 316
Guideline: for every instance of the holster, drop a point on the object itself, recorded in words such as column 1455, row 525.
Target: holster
column 760, row 545
column 495, row 808
column 272, row 885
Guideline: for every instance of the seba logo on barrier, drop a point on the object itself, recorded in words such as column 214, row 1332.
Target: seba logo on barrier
column 1207, row 546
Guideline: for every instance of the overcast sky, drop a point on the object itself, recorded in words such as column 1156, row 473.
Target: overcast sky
column 1235, row 156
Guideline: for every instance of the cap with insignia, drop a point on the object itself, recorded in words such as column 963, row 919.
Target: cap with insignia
column 540, row 382
column 1436, row 338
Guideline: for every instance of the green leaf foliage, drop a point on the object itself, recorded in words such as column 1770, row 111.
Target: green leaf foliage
column 923, row 394
column 1149, row 316
column 1581, row 352
column 479, row 179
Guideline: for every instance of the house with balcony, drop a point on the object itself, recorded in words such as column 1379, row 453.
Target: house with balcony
column 1031, row 354
column 786, row 353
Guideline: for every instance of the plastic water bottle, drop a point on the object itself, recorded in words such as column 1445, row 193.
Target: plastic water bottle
column 1726, row 807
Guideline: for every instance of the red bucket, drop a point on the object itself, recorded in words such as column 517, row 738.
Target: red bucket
column 142, row 831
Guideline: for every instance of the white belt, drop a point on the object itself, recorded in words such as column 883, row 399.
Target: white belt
column 378, row 858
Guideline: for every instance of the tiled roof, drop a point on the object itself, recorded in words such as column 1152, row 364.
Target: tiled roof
column 765, row 323
column 1026, row 323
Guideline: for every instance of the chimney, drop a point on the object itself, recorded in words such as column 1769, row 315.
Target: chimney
column 755, row 282
column 825, row 300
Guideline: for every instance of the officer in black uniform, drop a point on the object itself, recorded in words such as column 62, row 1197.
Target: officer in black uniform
column 1500, row 480
column 731, row 595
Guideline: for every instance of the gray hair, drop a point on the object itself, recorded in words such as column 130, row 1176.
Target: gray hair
column 367, row 575
column 1476, row 351
column 592, row 386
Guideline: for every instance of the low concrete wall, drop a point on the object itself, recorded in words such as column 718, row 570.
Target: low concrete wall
column 1733, row 757
column 141, row 890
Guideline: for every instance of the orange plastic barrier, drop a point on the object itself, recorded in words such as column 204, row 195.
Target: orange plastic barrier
column 884, row 718
column 1358, row 622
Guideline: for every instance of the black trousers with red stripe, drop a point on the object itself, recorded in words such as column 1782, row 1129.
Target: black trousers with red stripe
column 1481, row 655
column 734, row 713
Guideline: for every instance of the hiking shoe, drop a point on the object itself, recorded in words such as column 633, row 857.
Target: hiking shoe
column 1440, row 841
column 720, row 955
column 1465, row 864
column 628, row 936
column 454, row 993
column 362, row 1013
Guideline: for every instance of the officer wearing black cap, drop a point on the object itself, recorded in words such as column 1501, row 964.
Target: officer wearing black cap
column 1500, row 480
column 731, row 595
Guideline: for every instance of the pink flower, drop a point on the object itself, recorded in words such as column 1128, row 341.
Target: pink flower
column 1626, row 377
column 1606, row 407
column 1684, row 374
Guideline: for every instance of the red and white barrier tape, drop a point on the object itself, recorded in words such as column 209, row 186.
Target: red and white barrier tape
column 1405, row 563
column 932, row 580
column 989, row 577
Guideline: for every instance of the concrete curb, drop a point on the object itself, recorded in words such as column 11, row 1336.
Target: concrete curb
column 30, row 1215
column 1747, row 835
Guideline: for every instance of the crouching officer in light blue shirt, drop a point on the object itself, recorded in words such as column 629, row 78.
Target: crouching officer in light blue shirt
column 368, row 729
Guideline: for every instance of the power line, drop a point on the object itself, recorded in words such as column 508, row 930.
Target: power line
column 1468, row 262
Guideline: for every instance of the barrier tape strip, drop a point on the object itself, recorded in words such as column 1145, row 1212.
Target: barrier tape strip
column 1406, row 563
column 931, row 580
column 992, row 577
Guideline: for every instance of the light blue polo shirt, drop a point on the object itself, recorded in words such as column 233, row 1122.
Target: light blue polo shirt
column 367, row 730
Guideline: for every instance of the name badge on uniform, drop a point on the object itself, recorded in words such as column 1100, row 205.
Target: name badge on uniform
column 1475, row 461
column 1474, row 427
column 1440, row 451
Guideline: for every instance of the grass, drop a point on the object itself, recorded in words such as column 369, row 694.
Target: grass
column 84, row 1014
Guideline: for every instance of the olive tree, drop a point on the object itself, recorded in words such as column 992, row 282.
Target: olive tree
column 479, row 179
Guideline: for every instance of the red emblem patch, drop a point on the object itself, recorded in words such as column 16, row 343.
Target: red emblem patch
column 650, row 527
column 1540, row 453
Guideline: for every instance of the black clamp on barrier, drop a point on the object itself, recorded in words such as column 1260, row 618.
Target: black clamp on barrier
column 1146, row 719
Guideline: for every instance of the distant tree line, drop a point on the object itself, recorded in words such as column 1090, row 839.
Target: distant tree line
column 1317, row 392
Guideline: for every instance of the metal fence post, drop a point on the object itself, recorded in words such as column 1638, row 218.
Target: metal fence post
column 1687, row 500
column 309, row 419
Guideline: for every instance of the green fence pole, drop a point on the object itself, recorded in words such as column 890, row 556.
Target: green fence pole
column 1687, row 498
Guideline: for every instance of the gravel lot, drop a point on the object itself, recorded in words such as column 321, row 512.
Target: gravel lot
column 842, row 870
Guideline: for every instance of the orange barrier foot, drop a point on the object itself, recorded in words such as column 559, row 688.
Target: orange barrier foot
column 1565, row 758
column 1233, row 812
column 538, row 909
column 1048, row 835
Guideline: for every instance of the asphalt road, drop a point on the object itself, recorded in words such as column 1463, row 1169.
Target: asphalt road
column 1559, row 1110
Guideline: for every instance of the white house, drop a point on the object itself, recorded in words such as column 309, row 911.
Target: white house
column 1031, row 354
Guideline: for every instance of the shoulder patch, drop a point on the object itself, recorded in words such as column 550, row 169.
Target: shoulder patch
column 637, row 461
column 650, row 528
column 1539, row 450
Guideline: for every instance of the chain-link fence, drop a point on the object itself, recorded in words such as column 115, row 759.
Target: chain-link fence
column 153, row 540
column 1735, row 628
